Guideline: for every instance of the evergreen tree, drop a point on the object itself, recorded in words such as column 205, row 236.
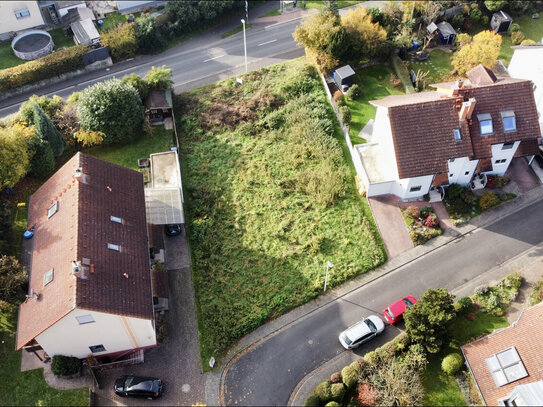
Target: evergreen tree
column 42, row 163
column 46, row 130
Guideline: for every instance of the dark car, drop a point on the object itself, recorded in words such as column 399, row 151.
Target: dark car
column 539, row 158
column 173, row 230
column 138, row 386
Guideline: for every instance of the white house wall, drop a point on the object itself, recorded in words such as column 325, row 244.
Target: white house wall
column 9, row 22
column 499, row 154
column 382, row 134
column 381, row 188
column 461, row 170
column 63, row 11
column 116, row 333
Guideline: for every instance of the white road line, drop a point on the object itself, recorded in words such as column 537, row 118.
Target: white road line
column 211, row 59
column 268, row 42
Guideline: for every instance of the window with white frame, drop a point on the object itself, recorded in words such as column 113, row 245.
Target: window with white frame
column 506, row 367
column 509, row 121
column 500, row 161
column 48, row 277
column 115, row 247
column 485, row 124
column 23, row 13
column 52, row 210
column 97, row 348
column 85, row 319
column 508, row 146
column 116, row 219
column 457, row 135
column 415, row 189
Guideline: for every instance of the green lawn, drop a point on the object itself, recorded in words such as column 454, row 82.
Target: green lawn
column 112, row 19
column 259, row 237
column 441, row 389
column 438, row 65
column 61, row 39
column 319, row 4
column 127, row 155
column 375, row 84
column 271, row 13
column 28, row 388
column 7, row 57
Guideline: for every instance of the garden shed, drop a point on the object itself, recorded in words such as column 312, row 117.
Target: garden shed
column 500, row 22
column 85, row 33
column 344, row 77
column 159, row 105
column 446, row 33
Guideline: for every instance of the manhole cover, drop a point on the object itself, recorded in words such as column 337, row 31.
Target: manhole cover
column 310, row 341
column 185, row 388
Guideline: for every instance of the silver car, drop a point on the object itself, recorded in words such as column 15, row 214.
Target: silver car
column 361, row 332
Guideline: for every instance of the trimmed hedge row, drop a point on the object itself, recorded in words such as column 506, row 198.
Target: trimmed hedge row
column 51, row 65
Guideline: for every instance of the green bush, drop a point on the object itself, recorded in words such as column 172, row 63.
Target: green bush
column 426, row 211
column 514, row 28
column 517, row 37
column 313, row 401
column 121, row 42
column 465, row 305
column 65, row 365
column 349, row 376
column 332, row 404
column 148, row 35
column 345, row 115
column 301, row 86
column 402, row 73
column 527, row 42
column 49, row 105
column 54, row 64
column 42, row 163
column 453, row 191
column 354, row 92
column 338, row 391
column 488, row 200
column 412, row 212
column 452, row 363
column 537, row 293
column 324, row 391
column 513, row 280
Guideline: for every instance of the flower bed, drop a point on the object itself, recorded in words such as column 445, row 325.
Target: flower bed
column 495, row 299
column 422, row 223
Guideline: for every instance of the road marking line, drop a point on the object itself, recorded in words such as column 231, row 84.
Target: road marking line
column 211, row 59
column 268, row 42
column 282, row 22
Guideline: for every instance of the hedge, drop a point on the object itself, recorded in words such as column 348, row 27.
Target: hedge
column 402, row 73
column 51, row 65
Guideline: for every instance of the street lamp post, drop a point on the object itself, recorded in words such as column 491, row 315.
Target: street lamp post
column 244, row 44
column 329, row 265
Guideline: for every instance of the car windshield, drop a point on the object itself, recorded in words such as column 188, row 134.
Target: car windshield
column 390, row 314
column 346, row 339
column 408, row 302
column 128, row 382
column 370, row 325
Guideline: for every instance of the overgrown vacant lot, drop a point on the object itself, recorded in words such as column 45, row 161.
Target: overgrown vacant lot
column 270, row 198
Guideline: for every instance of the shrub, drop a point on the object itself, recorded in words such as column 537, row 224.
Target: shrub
column 54, row 64
column 302, row 86
column 148, row 35
column 465, row 305
column 345, row 115
column 431, row 221
column 139, row 84
column 513, row 280
column 65, row 365
column 42, row 163
column 324, row 391
column 416, row 357
column 537, row 293
column 417, row 238
column 332, row 404
column 338, row 95
column 475, row 14
column 367, row 395
column 452, row 363
column 349, row 376
column 458, row 21
column 517, row 37
column 485, row 20
column 425, row 211
column 338, row 391
column 12, row 277
column 514, row 28
column 51, row 106
column 354, row 92
column 527, row 42
column 413, row 212
column 453, row 191
column 47, row 131
column 482, row 290
column 121, row 42
column 159, row 78
column 488, row 200
column 312, row 401
column 335, row 377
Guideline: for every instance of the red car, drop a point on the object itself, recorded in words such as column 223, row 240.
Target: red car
column 394, row 313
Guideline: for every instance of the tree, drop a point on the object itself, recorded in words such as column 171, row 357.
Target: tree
column 51, row 106
column 366, row 36
column 147, row 34
column 12, row 277
column 46, row 130
column 484, row 49
column 331, row 6
column 192, row 13
column 113, row 108
column 42, row 162
column 159, row 78
column 428, row 10
column 121, row 42
column 14, row 154
column 428, row 322
column 495, row 5
column 139, row 84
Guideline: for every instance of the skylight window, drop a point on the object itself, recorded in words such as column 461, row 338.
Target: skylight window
column 116, row 219
column 114, row 247
column 48, row 277
column 85, row 319
column 457, row 134
column 506, row 367
column 509, row 121
column 52, row 210
column 485, row 123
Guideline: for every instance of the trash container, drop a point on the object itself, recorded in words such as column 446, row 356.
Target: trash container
column 415, row 45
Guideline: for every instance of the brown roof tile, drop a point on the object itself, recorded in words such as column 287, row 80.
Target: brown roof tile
column 481, row 75
column 82, row 229
column 525, row 336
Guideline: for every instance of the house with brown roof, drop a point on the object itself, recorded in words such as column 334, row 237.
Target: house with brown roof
column 507, row 365
column 429, row 139
column 90, row 287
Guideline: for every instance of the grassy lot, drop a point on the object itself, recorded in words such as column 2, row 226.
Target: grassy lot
column 127, row 155
column 532, row 28
column 318, row 4
column 438, row 65
column 235, row 30
column 112, row 19
column 28, row 388
column 375, row 84
column 260, row 235
column 7, row 57
column 441, row 389
column 61, row 39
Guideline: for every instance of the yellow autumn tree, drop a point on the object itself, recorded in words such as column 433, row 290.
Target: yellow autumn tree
column 484, row 49
column 366, row 36
column 14, row 153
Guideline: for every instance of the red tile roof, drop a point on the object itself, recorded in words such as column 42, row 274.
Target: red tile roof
column 118, row 282
column 525, row 336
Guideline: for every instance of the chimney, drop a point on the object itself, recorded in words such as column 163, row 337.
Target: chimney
column 455, row 90
column 459, row 83
column 467, row 109
column 471, row 108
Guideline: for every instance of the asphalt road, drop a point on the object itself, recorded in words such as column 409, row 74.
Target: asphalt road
column 267, row 374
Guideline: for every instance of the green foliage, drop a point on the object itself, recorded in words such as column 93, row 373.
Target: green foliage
column 14, row 154
column 514, row 27
column 475, row 14
column 138, row 83
column 527, row 42
column 483, row 49
column 148, row 35
column 345, row 115
column 452, row 363
column 537, row 292
column 312, row 401
column 495, row 5
column 51, row 65
column 191, row 14
column 453, row 191
column 517, row 37
column 121, row 42
column 324, row 391
column 12, row 278
column 330, row 6
column 349, row 375
column 402, row 73
column 332, row 404
column 338, row 391
column 42, row 163
column 428, row 322
column 495, row 299
column 465, row 305
column 354, row 92
column 65, row 365
column 49, row 105
column 113, row 108
column 488, row 200
column 366, row 37
column 159, row 78
column 47, row 131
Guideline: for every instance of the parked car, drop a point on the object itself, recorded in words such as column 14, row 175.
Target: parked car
column 138, row 386
column 361, row 332
column 539, row 158
column 173, row 230
column 394, row 312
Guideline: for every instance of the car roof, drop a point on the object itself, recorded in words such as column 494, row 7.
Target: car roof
column 398, row 307
column 357, row 330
